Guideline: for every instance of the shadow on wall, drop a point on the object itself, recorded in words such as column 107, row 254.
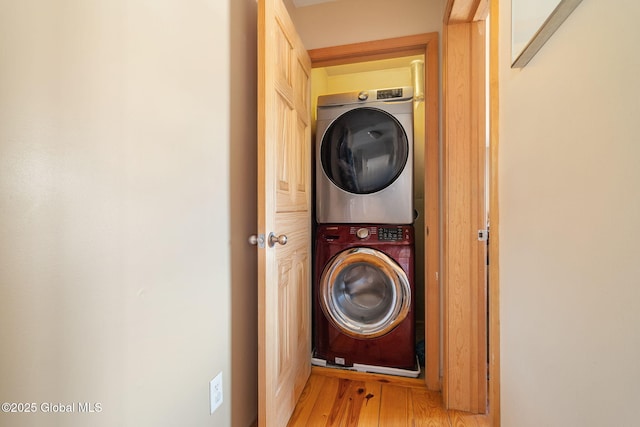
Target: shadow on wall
column 243, row 191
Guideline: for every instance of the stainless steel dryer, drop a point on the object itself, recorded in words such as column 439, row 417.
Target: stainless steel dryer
column 364, row 157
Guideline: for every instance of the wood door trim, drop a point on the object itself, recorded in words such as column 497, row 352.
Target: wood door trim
column 373, row 50
column 493, row 295
column 461, row 11
column 426, row 44
column 494, row 266
column 464, row 257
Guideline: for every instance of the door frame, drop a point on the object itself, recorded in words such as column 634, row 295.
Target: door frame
column 465, row 34
column 494, row 217
column 464, row 383
column 427, row 45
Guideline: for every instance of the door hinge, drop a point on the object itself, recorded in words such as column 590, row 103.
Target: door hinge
column 483, row 235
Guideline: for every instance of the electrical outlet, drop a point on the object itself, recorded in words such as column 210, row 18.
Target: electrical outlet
column 215, row 392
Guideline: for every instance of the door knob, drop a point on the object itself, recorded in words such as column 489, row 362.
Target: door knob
column 273, row 239
column 257, row 239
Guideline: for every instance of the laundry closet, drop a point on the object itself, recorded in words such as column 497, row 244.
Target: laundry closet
column 368, row 283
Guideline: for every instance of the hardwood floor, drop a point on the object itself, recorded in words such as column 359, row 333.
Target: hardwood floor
column 334, row 397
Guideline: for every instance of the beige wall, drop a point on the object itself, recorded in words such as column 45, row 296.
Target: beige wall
column 342, row 22
column 570, row 221
column 114, row 210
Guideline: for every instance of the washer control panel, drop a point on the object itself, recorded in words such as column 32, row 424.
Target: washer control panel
column 362, row 233
column 390, row 234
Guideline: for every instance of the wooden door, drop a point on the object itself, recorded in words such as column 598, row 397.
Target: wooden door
column 284, row 209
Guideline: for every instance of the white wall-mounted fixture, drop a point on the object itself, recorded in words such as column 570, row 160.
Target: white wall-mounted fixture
column 417, row 78
column 215, row 392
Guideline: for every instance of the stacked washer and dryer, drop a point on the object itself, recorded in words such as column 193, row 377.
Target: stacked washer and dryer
column 364, row 248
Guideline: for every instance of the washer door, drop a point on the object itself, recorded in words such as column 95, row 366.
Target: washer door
column 364, row 150
column 364, row 293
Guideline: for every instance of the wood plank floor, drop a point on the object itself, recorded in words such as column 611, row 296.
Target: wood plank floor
column 334, row 397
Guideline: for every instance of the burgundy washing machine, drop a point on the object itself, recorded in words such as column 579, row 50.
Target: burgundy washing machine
column 363, row 296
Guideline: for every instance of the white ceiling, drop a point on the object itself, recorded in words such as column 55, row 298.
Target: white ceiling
column 303, row 3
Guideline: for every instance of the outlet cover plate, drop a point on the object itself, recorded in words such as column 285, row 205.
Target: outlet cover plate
column 215, row 392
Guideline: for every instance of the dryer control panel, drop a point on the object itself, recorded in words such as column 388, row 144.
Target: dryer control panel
column 396, row 94
column 389, row 93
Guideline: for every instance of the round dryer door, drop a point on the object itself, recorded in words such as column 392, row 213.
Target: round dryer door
column 364, row 293
column 364, row 150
